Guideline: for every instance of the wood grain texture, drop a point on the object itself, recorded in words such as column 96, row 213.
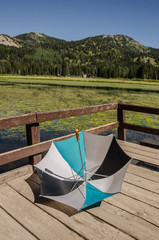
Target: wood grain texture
column 138, row 108
column 141, row 194
column 36, row 117
column 53, row 115
column 18, row 172
column 125, row 221
column 11, row 229
column 144, row 173
column 138, row 128
column 135, row 207
column 139, row 152
column 20, row 120
column 38, row 222
column 88, row 226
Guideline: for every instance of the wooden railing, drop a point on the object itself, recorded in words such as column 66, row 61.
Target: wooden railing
column 122, row 107
column 32, row 119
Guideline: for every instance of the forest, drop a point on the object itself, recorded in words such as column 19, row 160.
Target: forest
column 110, row 56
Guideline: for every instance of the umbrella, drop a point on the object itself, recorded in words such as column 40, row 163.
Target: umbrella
column 82, row 170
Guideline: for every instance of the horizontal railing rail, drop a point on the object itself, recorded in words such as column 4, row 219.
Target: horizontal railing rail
column 66, row 113
column 138, row 108
column 19, row 120
column 38, row 117
column 138, row 128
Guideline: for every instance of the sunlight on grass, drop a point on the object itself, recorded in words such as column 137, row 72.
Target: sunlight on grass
column 18, row 97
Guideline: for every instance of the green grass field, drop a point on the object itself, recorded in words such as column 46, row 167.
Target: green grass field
column 126, row 84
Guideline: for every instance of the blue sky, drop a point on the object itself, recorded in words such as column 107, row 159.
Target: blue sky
column 78, row 19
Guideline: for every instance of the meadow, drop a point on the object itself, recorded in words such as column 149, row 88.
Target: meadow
column 116, row 84
column 19, row 94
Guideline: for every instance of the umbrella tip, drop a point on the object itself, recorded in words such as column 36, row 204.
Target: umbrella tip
column 77, row 134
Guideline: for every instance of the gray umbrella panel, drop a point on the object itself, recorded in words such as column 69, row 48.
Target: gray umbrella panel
column 96, row 147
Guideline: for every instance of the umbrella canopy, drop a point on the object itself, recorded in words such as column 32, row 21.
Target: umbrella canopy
column 82, row 171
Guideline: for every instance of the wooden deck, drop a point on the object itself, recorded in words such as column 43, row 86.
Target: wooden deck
column 132, row 214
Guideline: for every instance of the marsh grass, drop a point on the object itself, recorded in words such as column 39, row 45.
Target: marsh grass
column 21, row 94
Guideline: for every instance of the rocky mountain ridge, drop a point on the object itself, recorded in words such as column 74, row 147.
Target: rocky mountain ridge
column 105, row 56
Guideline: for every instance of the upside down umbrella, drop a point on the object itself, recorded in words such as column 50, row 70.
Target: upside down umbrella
column 82, row 170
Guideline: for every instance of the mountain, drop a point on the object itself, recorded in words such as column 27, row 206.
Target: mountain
column 27, row 40
column 8, row 41
column 105, row 56
column 34, row 39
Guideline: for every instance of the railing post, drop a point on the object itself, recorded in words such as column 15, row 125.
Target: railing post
column 121, row 120
column 33, row 137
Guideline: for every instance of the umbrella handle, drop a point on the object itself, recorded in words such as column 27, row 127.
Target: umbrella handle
column 77, row 134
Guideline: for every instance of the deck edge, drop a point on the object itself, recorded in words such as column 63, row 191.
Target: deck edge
column 15, row 173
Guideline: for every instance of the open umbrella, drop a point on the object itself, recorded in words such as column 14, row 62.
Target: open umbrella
column 82, row 170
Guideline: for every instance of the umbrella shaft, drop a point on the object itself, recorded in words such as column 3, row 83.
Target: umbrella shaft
column 81, row 161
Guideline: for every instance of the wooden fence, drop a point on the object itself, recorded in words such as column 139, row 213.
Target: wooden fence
column 33, row 119
column 122, row 107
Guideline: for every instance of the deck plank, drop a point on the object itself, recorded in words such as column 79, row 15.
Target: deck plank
column 42, row 225
column 82, row 222
column 139, row 152
column 11, row 229
column 131, row 224
column 144, row 173
column 142, row 158
column 18, row 172
column 142, row 182
column 137, row 208
column 140, row 194
column 138, row 146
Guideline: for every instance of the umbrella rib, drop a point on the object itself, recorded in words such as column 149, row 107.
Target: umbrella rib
column 101, row 175
column 74, row 175
column 81, row 192
column 79, row 171
column 96, row 174
column 76, row 182
column 78, row 189
column 61, row 176
column 74, row 187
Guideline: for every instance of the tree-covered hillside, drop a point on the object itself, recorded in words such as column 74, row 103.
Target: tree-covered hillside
column 107, row 56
